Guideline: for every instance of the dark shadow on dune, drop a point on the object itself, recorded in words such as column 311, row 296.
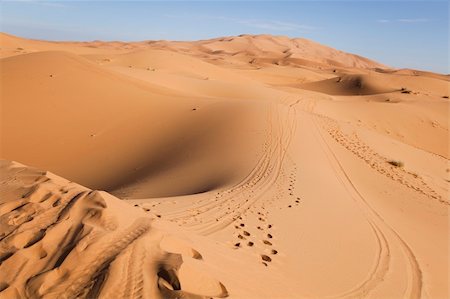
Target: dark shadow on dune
column 349, row 85
column 190, row 146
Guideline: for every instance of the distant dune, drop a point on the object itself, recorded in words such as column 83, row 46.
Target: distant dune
column 251, row 166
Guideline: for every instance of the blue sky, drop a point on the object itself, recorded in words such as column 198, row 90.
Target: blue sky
column 411, row 34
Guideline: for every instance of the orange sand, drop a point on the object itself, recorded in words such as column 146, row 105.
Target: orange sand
column 247, row 167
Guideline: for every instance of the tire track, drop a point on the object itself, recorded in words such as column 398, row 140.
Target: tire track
column 228, row 206
column 88, row 268
column 377, row 162
column 377, row 222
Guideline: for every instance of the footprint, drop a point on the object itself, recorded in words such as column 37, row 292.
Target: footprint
column 246, row 233
column 250, row 244
column 265, row 258
column 267, row 242
column 273, row 251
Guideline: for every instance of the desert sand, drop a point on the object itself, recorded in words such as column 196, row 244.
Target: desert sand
column 253, row 166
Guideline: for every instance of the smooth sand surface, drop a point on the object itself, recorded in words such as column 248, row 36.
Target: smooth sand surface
column 242, row 167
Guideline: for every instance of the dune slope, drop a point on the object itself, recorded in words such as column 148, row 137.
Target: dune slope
column 61, row 240
column 76, row 114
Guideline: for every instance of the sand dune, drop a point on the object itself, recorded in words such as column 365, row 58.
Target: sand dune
column 100, row 107
column 61, row 240
column 229, row 50
column 242, row 167
column 281, row 50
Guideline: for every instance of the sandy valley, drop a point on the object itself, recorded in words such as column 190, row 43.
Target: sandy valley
column 252, row 166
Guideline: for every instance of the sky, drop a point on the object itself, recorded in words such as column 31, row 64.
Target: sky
column 402, row 34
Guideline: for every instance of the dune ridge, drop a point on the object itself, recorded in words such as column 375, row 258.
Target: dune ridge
column 268, row 49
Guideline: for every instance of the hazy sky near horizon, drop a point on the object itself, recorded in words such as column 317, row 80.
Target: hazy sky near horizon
column 404, row 34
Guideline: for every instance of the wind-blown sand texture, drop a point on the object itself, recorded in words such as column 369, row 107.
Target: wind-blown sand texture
column 240, row 167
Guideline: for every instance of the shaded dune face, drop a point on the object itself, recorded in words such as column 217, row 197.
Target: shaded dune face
column 213, row 150
column 349, row 85
column 129, row 130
